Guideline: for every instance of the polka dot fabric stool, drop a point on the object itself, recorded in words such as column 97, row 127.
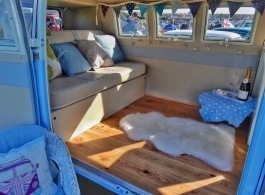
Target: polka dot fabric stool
column 216, row 109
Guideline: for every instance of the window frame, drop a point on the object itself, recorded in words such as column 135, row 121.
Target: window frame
column 10, row 6
column 32, row 24
column 127, row 36
column 222, row 41
column 172, row 38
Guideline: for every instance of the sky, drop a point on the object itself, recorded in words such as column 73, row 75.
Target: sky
column 242, row 10
column 179, row 11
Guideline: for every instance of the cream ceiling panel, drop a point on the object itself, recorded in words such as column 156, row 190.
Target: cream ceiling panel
column 82, row 3
column 71, row 3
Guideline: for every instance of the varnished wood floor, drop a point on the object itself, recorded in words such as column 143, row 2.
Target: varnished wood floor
column 107, row 147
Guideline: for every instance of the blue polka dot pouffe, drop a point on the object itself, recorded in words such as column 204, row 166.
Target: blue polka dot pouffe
column 216, row 108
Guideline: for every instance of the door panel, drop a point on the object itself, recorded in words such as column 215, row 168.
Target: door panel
column 16, row 106
column 258, row 90
column 17, row 93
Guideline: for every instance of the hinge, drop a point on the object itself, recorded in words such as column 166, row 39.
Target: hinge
column 123, row 190
column 34, row 42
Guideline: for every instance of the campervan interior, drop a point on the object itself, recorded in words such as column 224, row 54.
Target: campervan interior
column 162, row 70
column 178, row 70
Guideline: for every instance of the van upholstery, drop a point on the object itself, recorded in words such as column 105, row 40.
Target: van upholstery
column 68, row 93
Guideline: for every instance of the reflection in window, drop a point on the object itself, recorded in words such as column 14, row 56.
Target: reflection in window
column 132, row 25
column 53, row 20
column 28, row 14
column 6, row 37
column 180, row 24
column 236, row 28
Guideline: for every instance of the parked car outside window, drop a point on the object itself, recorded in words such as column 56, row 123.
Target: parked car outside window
column 247, row 25
column 244, row 23
column 243, row 32
column 210, row 34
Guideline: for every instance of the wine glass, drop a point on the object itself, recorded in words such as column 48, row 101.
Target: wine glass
column 234, row 80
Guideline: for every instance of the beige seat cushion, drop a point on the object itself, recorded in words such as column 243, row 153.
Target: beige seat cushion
column 87, row 34
column 126, row 70
column 68, row 90
column 61, row 36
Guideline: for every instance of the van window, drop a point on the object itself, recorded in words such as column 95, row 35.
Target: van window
column 6, row 35
column 8, row 27
column 220, row 26
column 176, row 26
column 53, row 19
column 133, row 25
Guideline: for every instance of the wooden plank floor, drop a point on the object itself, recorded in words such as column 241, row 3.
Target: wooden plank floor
column 107, row 147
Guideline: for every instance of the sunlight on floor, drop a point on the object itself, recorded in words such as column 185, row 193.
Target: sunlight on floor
column 241, row 150
column 189, row 186
column 110, row 157
column 106, row 147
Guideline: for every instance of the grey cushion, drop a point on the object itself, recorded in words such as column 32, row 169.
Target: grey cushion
column 94, row 53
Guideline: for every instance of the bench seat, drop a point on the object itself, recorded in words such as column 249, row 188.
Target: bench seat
column 66, row 90
column 83, row 100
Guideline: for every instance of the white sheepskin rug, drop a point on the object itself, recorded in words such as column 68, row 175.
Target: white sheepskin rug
column 213, row 144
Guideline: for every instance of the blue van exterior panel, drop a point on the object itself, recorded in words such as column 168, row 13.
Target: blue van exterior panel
column 43, row 96
column 14, row 74
column 15, row 106
column 255, row 157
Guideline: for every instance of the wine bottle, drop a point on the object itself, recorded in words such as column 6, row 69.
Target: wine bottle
column 244, row 89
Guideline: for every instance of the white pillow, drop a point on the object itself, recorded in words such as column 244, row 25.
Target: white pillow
column 25, row 170
column 53, row 64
